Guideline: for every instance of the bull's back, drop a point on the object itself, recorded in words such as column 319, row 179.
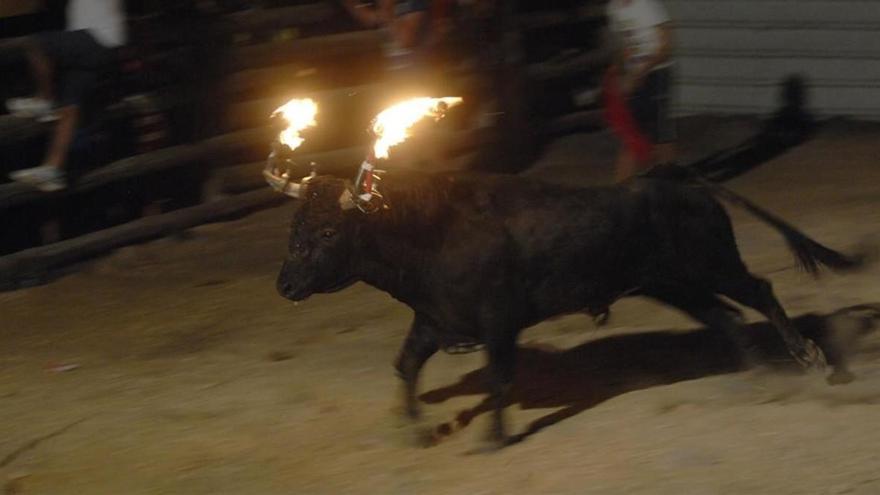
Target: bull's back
column 576, row 247
column 570, row 246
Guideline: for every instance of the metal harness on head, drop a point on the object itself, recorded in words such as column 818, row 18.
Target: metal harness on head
column 365, row 193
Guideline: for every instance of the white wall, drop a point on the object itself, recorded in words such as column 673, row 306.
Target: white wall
column 731, row 54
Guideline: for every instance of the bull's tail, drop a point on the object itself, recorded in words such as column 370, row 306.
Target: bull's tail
column 810, row 255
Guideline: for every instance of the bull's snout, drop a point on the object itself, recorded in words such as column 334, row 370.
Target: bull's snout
column 289, row 284
column 285, row 288
column 283, row 285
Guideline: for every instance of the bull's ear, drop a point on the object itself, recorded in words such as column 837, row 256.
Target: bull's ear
column 346, row 200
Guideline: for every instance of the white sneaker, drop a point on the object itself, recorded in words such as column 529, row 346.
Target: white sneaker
column 37, row 108
column 45, row 178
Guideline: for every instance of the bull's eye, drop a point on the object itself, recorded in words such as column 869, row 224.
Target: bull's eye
column 328, row 233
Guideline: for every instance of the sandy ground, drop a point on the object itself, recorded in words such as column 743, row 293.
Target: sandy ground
column 192, row 376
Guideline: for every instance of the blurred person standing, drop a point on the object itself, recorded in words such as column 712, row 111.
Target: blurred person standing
column 414, row 28
column 638, row 85
column 413, row 33
column 67, row 67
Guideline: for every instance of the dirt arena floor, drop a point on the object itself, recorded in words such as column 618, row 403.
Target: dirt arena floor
column 174, row 368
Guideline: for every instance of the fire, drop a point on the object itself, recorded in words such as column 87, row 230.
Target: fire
column 299, row 113
column 392, row 125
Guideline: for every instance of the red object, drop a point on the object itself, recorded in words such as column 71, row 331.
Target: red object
column 368, row 182
column 619, row 117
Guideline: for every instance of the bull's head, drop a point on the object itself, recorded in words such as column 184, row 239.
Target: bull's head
column 321, row 246
column 322, row 249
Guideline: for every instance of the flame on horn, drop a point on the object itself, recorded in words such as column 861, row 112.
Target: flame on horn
column 392, row 126
column 299, row 113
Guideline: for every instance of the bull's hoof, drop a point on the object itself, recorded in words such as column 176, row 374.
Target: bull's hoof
column 412, row 413
column 415, row 434
column 424, row 436
column 811, row 357
column 407, row 412
column 840, row 377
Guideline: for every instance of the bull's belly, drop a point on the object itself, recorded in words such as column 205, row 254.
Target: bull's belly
column 550, row 301
column 460, row 323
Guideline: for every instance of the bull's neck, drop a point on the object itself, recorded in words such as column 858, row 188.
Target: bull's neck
column 394, row 260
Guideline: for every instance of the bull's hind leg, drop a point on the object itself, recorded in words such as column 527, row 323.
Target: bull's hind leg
column 706, row 308
column 757, row 293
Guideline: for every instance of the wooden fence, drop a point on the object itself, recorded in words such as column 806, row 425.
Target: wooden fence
column 213, row 178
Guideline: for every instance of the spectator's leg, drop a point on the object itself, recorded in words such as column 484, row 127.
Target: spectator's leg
column 49, row 176
column 41, row 69
column 664, row 150
column 78, row 59
column 56, row 155
column 652, row 110
column 408, row 28
column 638, row 131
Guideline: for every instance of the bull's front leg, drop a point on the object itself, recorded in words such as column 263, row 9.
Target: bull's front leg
column 419, row 346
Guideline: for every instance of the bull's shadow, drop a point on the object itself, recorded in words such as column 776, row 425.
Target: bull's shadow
column 579, row 378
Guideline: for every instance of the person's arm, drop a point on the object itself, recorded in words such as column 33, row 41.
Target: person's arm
column 361, row 12
column 407, row 28
column 441, row 22
column 370, row 16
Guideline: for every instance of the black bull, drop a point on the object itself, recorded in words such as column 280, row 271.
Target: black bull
column 481, row 257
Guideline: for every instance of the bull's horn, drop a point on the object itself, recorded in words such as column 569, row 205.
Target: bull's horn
column 281, row 181
column 283, row 184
